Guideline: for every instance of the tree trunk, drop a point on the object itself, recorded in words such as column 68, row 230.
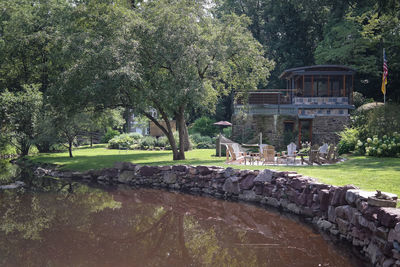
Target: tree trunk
column 167, row 131
column 180, row 121
column 70, row 147
column 91, row 139
column 188, row 145
column 24, row 148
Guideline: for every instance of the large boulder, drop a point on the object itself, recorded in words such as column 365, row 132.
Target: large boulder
column 180, row 168
column 126, row 176
column 231, row 185
column 203, row 170
column 148, row 170
column 339, row 195
column 324, row 199
column 169, row 178
column 352, row 195
column 248, row 182
column 389, row 217
column 264, row 176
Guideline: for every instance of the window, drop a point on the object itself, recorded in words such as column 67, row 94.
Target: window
column 307, row 91
column 336, row 85
column 321, row 86
column 349, row 85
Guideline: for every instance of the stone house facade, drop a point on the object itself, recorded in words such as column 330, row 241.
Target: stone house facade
column 314, row 107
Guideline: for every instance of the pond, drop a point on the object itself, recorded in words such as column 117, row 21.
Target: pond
column 61, row 223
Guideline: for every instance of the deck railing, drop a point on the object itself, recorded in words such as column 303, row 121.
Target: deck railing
column 270, row 97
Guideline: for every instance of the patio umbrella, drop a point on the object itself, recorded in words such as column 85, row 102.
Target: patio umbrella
column 222, row 124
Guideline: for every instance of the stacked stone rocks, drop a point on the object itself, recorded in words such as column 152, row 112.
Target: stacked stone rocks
column 344, row 211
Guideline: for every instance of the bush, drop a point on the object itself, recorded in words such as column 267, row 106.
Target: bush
column 383, row 120
column 121, row 141
column 387, row 146
column 348, row 140
column 136, row 137
column 200, row 141
column 227, row 132
column 148, row 142
column 110, row 134
column 162, row 141
column 204, row 126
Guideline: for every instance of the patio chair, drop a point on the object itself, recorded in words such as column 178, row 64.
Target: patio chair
column 268, row 154
column 323, row 150
column 313, row 156
column 235, row 153
column 291, row 153
column 332, row 155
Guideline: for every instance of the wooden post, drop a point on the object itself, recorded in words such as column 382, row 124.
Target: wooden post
column 352, row 89
column 299, row 136
column 329, row 87
column 344, row 86
column 312, row 85
column 219, row 144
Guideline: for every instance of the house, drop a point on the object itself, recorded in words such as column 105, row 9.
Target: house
column 313, row 108
column 142, row 125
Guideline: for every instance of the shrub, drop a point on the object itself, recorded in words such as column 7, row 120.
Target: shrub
column 110, row 134
column 148, row 142
column 387, row 146
column 162, row 141
column 348, row 140
column 227, row 132
column 200, row 141
column 121, row 141
column 383, row 120
column 136, row 137
column 204, row 126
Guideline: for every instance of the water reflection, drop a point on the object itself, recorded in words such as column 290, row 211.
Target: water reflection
column 60, row 223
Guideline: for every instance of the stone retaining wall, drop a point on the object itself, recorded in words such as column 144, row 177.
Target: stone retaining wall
column 342, row 211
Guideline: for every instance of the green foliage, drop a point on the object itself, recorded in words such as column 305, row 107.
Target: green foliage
column 19, row 113
column 348, row 140
column 148, row 142
column 199, row 141
column 359, row 99
column 386, row 146
column 289, row 137
column 204, row 126
column 121, row 141
column 383, row 120
column 162, row 142
column 227, row 132
column 110, row 134
column 136, row 137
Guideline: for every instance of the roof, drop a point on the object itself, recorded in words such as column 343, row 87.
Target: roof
column 316, row 68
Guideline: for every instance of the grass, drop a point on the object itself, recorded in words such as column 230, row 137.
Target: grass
column 368, row 173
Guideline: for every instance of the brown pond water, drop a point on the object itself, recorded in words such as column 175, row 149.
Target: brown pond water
column 71, row 224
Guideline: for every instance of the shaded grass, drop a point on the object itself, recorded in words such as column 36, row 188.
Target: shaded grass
column 368, row 173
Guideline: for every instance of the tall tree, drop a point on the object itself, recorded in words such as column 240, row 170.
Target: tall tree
column 20, row 113
column 356, row 36
column 289, row 30
column 188, row 58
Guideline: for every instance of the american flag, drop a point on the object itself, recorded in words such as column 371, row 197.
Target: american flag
column 385, row 73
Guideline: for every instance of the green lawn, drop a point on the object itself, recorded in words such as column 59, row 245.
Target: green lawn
column 365, row 172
